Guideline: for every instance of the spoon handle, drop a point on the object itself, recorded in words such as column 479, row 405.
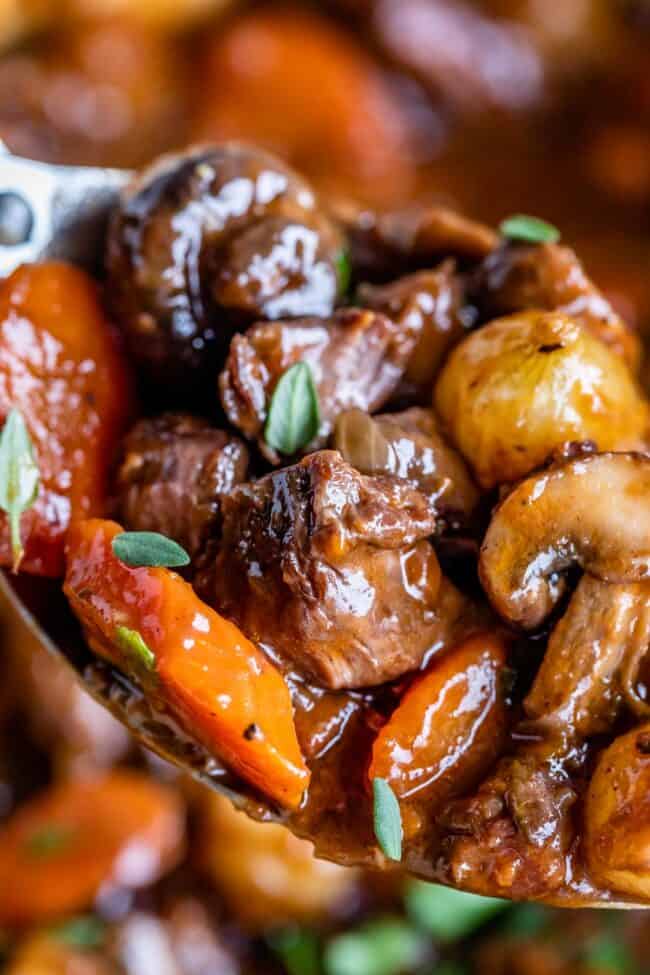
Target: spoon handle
column 56, row 212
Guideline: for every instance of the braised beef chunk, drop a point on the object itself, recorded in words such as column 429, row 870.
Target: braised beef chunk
column 331, row 569
column 384, row 245
column 357, row 358
column 409, row 445
column 174, row 470
column 550, row 277
column 433, row 301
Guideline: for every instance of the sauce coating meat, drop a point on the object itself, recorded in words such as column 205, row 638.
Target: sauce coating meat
column 347, row 559
column 173, row 471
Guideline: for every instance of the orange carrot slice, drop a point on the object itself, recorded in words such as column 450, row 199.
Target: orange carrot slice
column 222, row 688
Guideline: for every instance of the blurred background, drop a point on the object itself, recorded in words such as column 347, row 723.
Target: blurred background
column 492, row 107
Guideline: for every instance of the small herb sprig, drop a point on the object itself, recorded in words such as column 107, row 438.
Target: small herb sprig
column 149, row 549
column 19, row 478
column 294, row 414
column 532, row 230
column 388, row 819
column 134, row 647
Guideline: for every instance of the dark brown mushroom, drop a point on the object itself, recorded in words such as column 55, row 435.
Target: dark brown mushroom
column 209, row 240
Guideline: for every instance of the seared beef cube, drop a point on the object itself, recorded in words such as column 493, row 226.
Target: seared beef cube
column 330, row 569
column 174, row 471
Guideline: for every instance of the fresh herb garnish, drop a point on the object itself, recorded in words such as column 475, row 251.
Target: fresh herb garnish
column 530, row 229
column 343, row 271
column 384, row 947
column 299, row 950
column 80, row 932
column 149, row 549
column 388, row 819
column 294, row 415
column 19, row 477
column 606, row 953
column 525, row 921
column 446, row 913
column 135, row 648
column 49, row 840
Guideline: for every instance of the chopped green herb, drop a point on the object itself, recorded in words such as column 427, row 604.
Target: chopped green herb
column 298, row 949
column 294, row 414
column 383, row 947
column 608, row 954
column 49, row 840
column 135, row 648
column 19, row 477
column 149, row 549
column 343, row 271
column 388, row 819
column 525, row 920
column 446, row 913
column 530, row 229
column 80, row 932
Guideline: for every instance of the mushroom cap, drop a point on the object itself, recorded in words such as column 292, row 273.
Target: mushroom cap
column 593, row 512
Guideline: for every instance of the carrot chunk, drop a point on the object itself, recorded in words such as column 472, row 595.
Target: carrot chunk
column 449, row 726
column 225, row 692
column 61, row 367
column 59, row 849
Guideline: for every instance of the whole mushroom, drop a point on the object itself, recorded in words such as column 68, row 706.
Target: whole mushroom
column 207, row 241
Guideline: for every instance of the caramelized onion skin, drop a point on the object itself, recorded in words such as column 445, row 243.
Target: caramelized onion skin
column 517, row 389
column 61, row 365
column 617, row 815
column 449, row 726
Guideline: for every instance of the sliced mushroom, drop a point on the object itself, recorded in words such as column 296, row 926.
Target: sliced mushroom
column 578, row 689
column 593, row 512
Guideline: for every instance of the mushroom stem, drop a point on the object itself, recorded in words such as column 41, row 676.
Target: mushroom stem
column 600, row 639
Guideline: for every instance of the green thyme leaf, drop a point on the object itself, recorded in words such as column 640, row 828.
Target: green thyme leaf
column 49, row 840
column 135, row 648
column 343, row 271
column 294, row 415
column 19, row 477
column 149, row 549
column 299, row 950
column 388, row 819
column 384, row 947
column 531, row 229
column 446, row 913
column 606, row 953
column 80, row 932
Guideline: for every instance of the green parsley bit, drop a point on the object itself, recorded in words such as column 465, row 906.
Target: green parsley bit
column 294, row 414
column 135, row 648
column 343, row 271
column 388, row 819
column 446, row 913
column 298, row 949
column 384, row 947
column 150, row 549
column 49, row 840
column 19, row 477
column 529, row 229
column 80, row 932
